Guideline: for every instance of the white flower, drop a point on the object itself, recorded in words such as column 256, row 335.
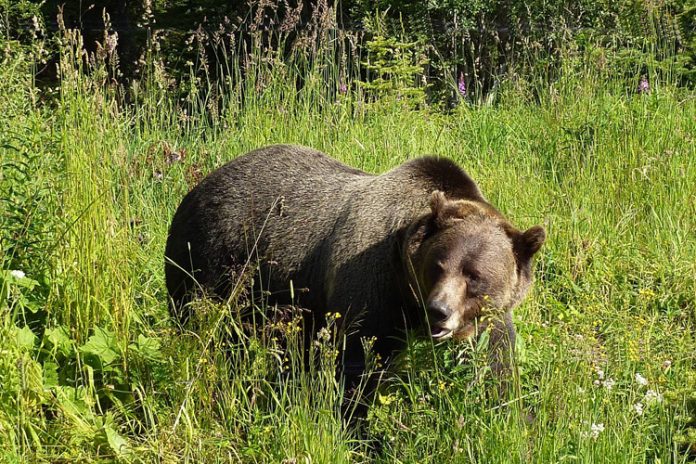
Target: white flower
column 642, row 381
column 667, row 364
column 639, row 408
column 651, row 396
column 595, row 430
column 324, row 335
column 18, row 274
column 607, row 383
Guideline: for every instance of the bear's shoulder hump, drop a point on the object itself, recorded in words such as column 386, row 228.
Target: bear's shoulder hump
column 443, row 174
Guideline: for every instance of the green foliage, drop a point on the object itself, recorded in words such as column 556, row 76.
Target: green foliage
column 489, row 41
column 686, row 15
column 394, row 70
column 20, row 19
column 56, row 391
column 486, row 42
column 683, row 400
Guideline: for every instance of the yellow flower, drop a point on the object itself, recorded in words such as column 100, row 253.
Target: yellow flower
column 646, row 293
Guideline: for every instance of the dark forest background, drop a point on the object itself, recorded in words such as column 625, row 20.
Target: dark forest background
column 440, row 46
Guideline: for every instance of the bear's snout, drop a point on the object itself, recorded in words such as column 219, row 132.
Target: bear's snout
column 442, row 320
column 438, row 312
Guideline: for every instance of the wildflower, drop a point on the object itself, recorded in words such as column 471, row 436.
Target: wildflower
column 324, row 335
column 609, row 383
column 640, row 380
column 18, row 274
column 647, row 293
column 638, row 408
column 461, row 85
column 651, row 396
column 595, row 430
column 342, row 87
column 601, row 381
column 643, row 85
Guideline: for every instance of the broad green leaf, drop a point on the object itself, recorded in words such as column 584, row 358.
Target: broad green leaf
column 24, row 282
column 25, row 338
column 147, row 347
column 102, row 345
column 50, row 374
column 72, row 401
column 59, row 339
column 117, row 443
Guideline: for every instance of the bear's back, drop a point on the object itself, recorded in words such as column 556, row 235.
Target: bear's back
column 274, row 202
column 303, row 211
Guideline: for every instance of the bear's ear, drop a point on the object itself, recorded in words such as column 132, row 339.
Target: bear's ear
column 444, row 210
column 437, row 202
column 438, row 207
column 527, row 243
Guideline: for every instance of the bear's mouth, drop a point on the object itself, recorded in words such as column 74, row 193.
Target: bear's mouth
column 465, row 331
column 440, row 333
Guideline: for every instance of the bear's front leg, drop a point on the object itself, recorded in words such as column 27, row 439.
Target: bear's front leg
column 501, row 350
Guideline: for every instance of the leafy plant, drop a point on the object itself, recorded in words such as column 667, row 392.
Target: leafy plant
column 394, row 70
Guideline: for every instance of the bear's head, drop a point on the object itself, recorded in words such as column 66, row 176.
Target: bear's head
column 467, row 264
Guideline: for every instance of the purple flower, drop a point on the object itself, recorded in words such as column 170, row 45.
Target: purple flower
column 643, row 85
column 461, row 85
column 342, row 87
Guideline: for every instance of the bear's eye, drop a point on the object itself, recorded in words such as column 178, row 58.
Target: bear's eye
column 473, row 283
column 437, row 269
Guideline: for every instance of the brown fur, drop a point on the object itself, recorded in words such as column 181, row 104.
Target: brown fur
column 377, row 249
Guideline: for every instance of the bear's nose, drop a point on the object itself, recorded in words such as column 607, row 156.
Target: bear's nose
column 439, row 311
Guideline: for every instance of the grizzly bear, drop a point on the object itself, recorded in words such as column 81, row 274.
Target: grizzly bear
column 416, row 247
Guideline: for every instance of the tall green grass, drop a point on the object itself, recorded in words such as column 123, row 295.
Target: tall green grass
column 94, row 369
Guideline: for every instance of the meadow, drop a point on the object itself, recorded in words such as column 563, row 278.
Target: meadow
column 94, row 369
